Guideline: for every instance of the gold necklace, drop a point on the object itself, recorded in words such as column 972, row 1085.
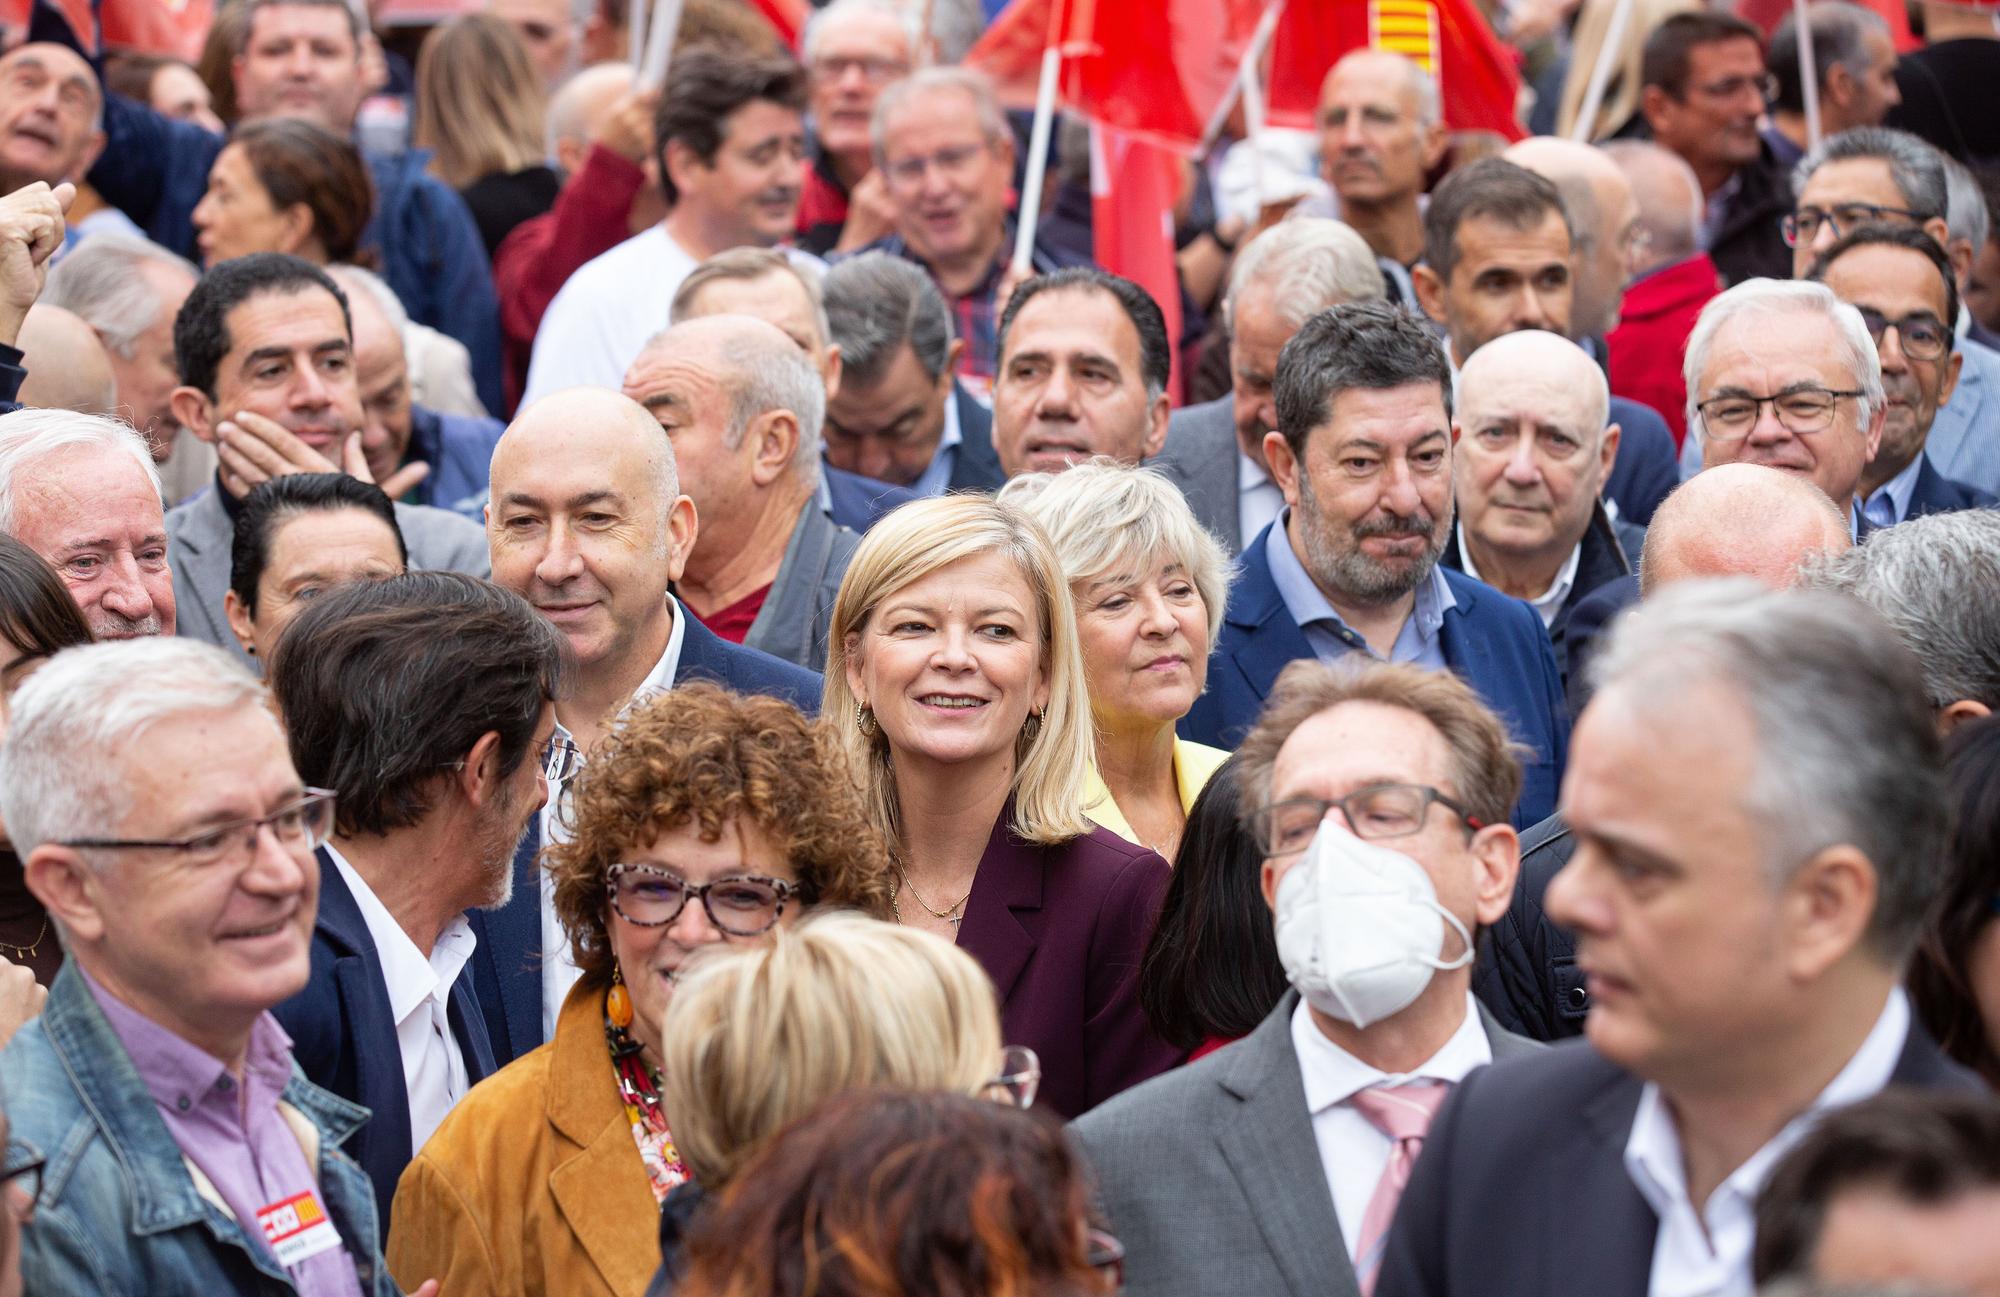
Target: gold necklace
column 30, row 950
column 953, row 914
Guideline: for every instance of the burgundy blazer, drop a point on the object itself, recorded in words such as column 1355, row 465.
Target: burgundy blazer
column 1061, row 931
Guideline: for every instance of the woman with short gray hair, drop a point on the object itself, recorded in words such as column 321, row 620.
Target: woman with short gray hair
column 1149, row 586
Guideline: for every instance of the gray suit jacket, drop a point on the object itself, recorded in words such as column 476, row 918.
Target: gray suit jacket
column 1964, row 441
column 797, row 614
column 1200, row 459
column 200, row 535
column 1211, row 1178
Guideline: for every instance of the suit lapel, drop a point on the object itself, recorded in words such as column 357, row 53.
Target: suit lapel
column 1009, row 879
column 204, row 539
column 469, row 1027
column 1265, row 1136
column 510, row 953
column 364, row 1002
column 1268, row 640
column 1615, row 1255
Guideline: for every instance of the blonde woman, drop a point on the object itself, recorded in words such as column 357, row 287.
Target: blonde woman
column 1149, row 586
column 954, row 682
column 482, row 108
column 758, row 1036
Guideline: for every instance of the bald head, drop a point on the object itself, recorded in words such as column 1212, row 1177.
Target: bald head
column 1544, row 367
column 1603, row 213
column 581, row 106
column 1740, row 520
column 68, row 368
column 1669, row 197
column 739, row 370
column 578, row 423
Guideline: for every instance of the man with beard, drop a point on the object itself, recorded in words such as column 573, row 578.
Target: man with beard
column 82, row 492
column 1901, row 282
column 1362, row 453
column 434, row 785
column 265, row 350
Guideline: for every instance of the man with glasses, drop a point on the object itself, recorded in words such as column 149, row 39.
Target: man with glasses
column 159, row 818
column 946, row 155
column 436, row 784
column 1782, row 373
column 1877, row 176
column 853, row 49
column 1292, row 1147
column 1705, row 92
column 1901, row 282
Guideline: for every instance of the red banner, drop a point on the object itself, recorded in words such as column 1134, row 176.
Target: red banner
column 1476, row 74
column 1132, row 229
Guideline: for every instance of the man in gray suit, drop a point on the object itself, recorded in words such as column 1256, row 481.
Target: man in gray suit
column 265, row 349
column 1281, row 279
column 743, row 408
column 1273, row 1166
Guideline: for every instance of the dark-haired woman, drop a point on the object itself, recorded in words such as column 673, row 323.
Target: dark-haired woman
column 297, row 535
column 1211, row 972
column 1955, row 979
column 285, row 185
column 37, row 620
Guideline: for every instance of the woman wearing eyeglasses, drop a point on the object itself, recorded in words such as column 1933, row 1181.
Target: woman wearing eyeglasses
column 705, row 818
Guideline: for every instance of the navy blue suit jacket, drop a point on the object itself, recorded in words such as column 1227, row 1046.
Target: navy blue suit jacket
column 977, row 467
column 344, row 1037
column 1936, row 493
column 508, row 959
column 856, row 501
column 1648, row 466
column 1521, row 1186
column 1495, row 644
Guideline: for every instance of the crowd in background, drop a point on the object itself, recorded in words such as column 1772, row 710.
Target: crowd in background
column 612, row 688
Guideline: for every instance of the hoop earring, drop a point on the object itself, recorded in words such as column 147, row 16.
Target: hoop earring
column 864, row 720
column 1031, row 727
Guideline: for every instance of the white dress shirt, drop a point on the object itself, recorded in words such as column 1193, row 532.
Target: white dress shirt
column 1550, row 601
column 559, row 970
column 1258, row 499
column 1706, row 1252
column 1352, row 1150
column 419, row 989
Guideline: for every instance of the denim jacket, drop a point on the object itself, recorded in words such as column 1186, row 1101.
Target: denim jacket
column 120, row 1214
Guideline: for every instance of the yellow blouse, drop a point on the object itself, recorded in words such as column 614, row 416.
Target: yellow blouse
column 1193, row 764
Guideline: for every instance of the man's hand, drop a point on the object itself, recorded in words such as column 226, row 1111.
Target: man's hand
column 870, row 214
column 31, row 229
column 21, row 998
column 253, row 450
column 627, row 129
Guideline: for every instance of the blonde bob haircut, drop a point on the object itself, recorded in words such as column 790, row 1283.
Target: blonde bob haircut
column 1112, row 522
column 757, row 1035
column 480, row 104
column 908, row 545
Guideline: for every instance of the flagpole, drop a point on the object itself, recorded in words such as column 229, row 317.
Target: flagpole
column 1253, row 130
column 1038, row 160
column 659, row 44
column 1253, row 55
column 1808, row 73
column 1585, row 125
column 635, row 19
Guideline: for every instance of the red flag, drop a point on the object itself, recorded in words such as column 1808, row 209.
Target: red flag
column 788, row 17
column 1132, row 230
column 176, row 28
column 1154, row 68
column 1476, row 74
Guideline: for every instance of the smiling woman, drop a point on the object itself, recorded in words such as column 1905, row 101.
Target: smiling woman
column 955, row 685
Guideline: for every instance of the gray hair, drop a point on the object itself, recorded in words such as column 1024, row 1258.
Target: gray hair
column 1916, row 168
column 1675, row 227
column 907, row 17
column 78, row 721
column 765, row 373
column 1785, row 297
column 976, row 86
column 1931, row 579
column 1311, row 264
column 28, row 437
column 100, row 281
column 1966, row 217
column 1112, row 521
column 1847, row 750
column 1840, row 33
column 567, row 118
column 875, row 303
column 744, row 265
column 355, row 280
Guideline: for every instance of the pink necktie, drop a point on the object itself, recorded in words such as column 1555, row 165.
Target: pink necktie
column 1403, row 1114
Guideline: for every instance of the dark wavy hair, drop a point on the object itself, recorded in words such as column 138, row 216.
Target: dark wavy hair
column 701, row 754
column 880, row 1194
column 1211, row 970
column 299, row 162
column 1940, row 984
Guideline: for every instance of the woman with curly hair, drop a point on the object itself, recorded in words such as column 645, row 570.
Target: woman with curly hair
column 705, row 817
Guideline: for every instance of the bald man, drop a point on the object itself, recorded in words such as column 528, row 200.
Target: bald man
column 68, row 367
column 1604, row 219
column 1732, row 520
column 1673, row 278
column 1531, row 450
column 743, row 406
column 587, row 522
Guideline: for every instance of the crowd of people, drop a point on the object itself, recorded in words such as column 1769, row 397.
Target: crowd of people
column 625, row 689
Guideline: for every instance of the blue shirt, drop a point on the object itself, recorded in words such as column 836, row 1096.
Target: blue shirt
column 1890, row 503
column 937, row 476
column 1332, row 639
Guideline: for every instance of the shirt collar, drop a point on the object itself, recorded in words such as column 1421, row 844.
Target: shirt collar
column 1307, row 603
column 1550, row 601
column 1332, row 1075
column 658, row 681
column 178, row 1073
column 409, row 976
column 937, row 474
column 1249, row 473
column 1897, row 490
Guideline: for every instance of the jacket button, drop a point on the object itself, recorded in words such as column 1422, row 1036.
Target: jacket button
column 1579, row 998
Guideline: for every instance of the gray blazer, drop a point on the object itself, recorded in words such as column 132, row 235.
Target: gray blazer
column 1211, row 1178
column 1200, row 459
column 798, row 613
column 200, row 535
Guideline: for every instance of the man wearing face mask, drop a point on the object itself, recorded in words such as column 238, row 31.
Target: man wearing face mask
column 1379, row 798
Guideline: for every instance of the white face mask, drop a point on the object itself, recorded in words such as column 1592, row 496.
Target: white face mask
column 1360, row 928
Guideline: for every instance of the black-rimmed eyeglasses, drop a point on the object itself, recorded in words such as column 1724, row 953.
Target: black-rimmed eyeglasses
column 1802, row 410
column 1378, row 811
column 1922, row 335
column 561, row 759
column 742, row 905
column 305, row 823
column 1802, row 227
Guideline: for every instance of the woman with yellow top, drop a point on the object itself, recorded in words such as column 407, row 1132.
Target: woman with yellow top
column 1149, row 586
column 706, row 817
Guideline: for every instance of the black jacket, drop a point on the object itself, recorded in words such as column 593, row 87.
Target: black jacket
column 1526, row 972
column 1747, row 242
